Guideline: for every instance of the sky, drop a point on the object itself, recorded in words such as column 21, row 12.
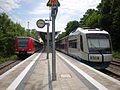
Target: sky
column 24, row 11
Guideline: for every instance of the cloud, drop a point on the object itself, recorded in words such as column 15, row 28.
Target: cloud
column 16, row 19
column 29, row 1
column 40, row 9
column 69, row 10
column 73, row 10
column 8, row 5
column 75, row 6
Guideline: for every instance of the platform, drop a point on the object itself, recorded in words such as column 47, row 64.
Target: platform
column 35, row 73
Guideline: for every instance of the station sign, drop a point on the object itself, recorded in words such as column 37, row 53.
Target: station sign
column 40, row 23
column 53, row 3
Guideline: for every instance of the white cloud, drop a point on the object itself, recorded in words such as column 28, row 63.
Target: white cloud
column 8, row 5
column 29, row 1
column 40, row 9
column 77, row 6
column 73, row 10
column 15, row 19
column 69, row 10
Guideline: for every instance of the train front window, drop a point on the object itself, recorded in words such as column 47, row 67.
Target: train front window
column 99, row 43
column 23, row 43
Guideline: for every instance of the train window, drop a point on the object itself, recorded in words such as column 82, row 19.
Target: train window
column 62, row 46
column 99, row 43
column 73, row 43
column 23, row 43
column 81, row 42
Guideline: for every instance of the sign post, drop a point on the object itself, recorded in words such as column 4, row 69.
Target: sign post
column 54, row 4
column 48, row 40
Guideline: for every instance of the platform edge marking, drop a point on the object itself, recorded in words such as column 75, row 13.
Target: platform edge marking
column 89, row 78
column 12, row 69
column 17, row 81
column 106, row 76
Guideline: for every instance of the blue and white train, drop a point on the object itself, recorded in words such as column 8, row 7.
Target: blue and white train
column 91, row 46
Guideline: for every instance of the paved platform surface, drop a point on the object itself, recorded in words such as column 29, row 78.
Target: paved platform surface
column 66, row 79
column 35, row 74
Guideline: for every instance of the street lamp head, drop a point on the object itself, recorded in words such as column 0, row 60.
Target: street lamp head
column 53, row 3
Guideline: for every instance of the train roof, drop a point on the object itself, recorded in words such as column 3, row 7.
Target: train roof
column 87, row 30
column 24, row 37
column 28, row 37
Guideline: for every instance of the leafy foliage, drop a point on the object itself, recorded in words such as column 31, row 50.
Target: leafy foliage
column 110, row 20
column 3, row 59
column 107, row 17
column 72, row 25
column 116, row 54
column 8, row 32
column 90, row 19
column 63, row 34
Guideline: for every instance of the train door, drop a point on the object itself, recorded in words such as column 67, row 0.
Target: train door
column 66, row 45
column 83, row 47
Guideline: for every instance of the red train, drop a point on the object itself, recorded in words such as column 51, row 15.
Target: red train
column 25, row 46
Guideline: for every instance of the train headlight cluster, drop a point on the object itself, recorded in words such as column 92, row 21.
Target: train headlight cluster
column 94, row 58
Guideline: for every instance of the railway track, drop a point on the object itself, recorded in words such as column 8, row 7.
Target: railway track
column 111, row 73
column 116, row 62
column 8, row 65
column 113, row 70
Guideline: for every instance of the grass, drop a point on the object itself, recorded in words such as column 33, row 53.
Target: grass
column 116, row 54
column 7, row 58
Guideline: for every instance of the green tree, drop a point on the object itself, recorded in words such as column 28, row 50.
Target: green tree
column 8, row 32
column 115, row 30
column 72, row 25
column 90, row 19
column 107, row 17
column 63, row 34
column 105, row 9
column 110, row 20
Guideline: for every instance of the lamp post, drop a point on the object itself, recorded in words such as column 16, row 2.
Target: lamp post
column 54, row 4
column 41, row 23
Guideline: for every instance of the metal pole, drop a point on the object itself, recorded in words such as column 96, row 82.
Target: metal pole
column 53, row 48
column 28, row 25
column 47, row 40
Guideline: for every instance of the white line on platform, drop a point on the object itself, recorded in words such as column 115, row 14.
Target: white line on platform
column 90, row 79
column 104, row 75
column 17, row 81
column 12, row 69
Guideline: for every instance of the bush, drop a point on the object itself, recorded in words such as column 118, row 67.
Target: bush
column 116, row 54
column 7, row 58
